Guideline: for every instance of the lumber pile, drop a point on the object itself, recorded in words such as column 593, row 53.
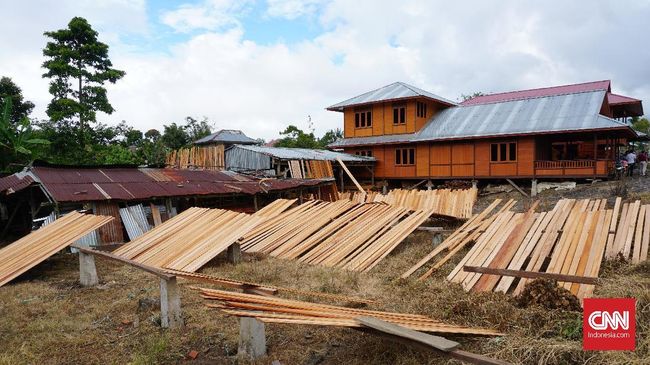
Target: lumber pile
column 275, row 208
column 567, row 244
column 37, row 246
column 205, row 157
column 189, row 240
column 632, row 237
column 342, row 234
column 278, row 310
column 447, row 202
column 311, row 169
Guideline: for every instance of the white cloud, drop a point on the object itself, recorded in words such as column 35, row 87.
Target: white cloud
column 447, row 48
column 208, row 15
column 292, row 9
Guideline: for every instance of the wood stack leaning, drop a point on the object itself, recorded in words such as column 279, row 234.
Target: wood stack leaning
column 208, row 158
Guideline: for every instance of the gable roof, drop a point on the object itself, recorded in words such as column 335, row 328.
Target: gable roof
column 231, row 136
column 395, row 91
column 536, row 93
column 573, row 112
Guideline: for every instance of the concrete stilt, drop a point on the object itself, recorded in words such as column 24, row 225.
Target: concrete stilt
column 170, row 304
column 533, row 189
column 436, row 239
column 234, row 253
column 252, row 338
column 87, row 270
column 474, row 184
column 429, row 185
column 384, row 187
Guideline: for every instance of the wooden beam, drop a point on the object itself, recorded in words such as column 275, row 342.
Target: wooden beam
column 345, row 168
column 437, row 342
column 518, row 188
column 150, row 269
column 533, row 275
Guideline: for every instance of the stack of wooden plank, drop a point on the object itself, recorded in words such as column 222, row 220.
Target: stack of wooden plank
column 278, row 310
column 632, row 237
column 275, row 208
column 37, row 246
column 189, row 240
column 311, row 169
column 573, row 235
column 343, row 234
column 208, row 158
column 452, row 203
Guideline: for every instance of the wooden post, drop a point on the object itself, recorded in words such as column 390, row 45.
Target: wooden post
column 170, row 304
column 87, row 270
column 234, row 253
column 255, row 205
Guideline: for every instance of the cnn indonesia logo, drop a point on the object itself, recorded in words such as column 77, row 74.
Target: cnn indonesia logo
column 609, row 324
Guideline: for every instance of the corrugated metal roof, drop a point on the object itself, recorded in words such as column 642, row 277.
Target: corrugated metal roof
column 304, row 154
column 614, row 99
column 231, row 136
column 97, row 184
column 541, row 92
column 568, row 112
column 396, row 90
column 13, row 183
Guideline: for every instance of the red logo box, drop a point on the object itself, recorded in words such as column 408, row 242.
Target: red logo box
column 609, row 324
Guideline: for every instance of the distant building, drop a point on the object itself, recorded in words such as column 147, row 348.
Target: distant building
column 555, row 132
column 226, row 137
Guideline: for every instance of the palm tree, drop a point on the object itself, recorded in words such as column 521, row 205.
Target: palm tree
column 16, row 142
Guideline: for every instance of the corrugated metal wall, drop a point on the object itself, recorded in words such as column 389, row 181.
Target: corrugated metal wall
column 111, row 232
column 239, row 159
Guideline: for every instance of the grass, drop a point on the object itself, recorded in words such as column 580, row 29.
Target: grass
column 48, row 319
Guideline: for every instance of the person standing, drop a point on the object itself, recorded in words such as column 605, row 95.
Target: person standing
column 631, row 161
column 643, row 162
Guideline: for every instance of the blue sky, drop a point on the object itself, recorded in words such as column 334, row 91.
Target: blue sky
column 261, row 65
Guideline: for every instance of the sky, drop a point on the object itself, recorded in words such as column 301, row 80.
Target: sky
column 260, row 66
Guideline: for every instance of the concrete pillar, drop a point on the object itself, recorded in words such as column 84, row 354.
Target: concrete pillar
column 87, row 270
column 533, row 189
column 252, row 338
column 436, row 239
column 234, row 253
column 429, row 185
column 474, row 184
column 384, row 188
column 170, row 304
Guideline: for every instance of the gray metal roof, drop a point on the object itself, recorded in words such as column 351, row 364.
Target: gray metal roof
column 569, row 112
column 227, row 136
column 396, row 90
column 304, row 154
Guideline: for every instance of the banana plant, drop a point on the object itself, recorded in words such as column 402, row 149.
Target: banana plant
column 16, row 139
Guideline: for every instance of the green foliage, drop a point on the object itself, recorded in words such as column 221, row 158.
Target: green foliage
column 21, row 108
column 294, row 137
column 641, row 125
column 197, row 130
column 175, row 136
column 78, row 66
column 464, row 97
column 18, row 144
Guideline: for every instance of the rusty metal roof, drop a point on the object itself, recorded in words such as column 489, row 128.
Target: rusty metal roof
column 13, row 183
column 92, row 184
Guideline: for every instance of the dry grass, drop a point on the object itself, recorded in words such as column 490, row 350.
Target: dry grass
column 48, row 319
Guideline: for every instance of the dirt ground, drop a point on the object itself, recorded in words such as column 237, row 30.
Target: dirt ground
column 47, row 318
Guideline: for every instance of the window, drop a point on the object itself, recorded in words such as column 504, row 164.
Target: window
column 405, row 156
column 503, row 152
column 421, row 109
column 366, row 153
column 399, row 114
column 363, row 119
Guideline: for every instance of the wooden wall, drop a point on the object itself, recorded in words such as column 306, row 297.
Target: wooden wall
column 382, row 119
column 450, row 160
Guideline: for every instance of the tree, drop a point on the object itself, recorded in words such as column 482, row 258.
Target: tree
column 152, row 135
column 17, row 143
column 75, row 55
column 641, row 124
column 330, row 137
column 464, row 97
column 197, row 130
column 294, row 137
column 175, row 136
column 21, row 108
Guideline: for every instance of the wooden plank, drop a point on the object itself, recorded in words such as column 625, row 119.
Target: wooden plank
column 345, row 168
column 638, row 236
column 645, row 244
column 437, row 342
column 518, row 188
column 107, row 255
column 532, row 274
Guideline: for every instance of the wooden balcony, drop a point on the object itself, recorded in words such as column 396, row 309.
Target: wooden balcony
column 565, row 164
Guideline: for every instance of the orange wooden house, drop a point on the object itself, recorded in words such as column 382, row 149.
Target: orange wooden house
column 570, row 131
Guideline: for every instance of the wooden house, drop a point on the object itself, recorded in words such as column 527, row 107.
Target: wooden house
column 571, row 131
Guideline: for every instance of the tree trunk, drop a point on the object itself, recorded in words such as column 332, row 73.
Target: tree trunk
column 81, row 120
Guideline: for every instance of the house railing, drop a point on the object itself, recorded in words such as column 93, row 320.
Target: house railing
column 565, row 164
